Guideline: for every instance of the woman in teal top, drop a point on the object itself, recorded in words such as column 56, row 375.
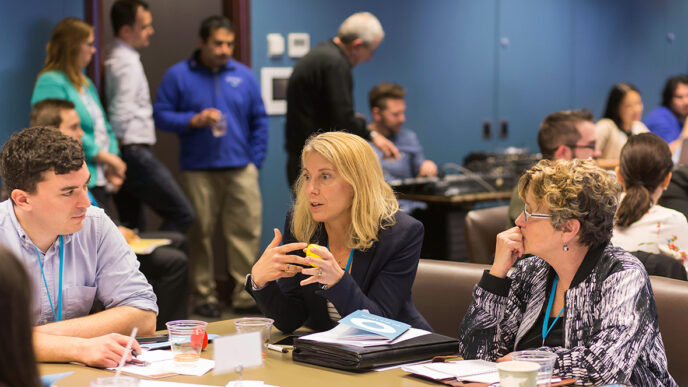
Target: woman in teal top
column 69, row 50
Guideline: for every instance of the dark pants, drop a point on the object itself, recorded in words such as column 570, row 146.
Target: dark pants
column 149, row 182
column 166, row 268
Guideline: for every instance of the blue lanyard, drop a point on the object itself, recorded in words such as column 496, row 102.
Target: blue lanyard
column 58, row 315
column 545, row 329
column 351, row 258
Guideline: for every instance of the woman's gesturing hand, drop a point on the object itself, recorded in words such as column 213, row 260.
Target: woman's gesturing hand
column 276, row 262
column 509, row 248
column 328, row 271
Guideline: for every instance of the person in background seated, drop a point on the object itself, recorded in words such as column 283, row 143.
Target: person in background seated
column 668, row 121
column 72, row 252
column 577, row 296
column 563, row 135
column 621, row 120
column 641, row 224
column 71, row 48
column 18, row 366
column 369, row 249
column 388, row 109
column 167, row 266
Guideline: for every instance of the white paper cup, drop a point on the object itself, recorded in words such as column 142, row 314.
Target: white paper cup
column 186, row 340
column 518, row 374
column 543, row 358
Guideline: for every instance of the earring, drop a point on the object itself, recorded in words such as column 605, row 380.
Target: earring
column 566, row 247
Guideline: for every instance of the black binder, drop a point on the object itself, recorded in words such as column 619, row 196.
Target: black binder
column 352, row 358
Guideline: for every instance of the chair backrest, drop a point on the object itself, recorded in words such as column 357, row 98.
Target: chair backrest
column 443, row 291
column 480, row 232
column 671, row 297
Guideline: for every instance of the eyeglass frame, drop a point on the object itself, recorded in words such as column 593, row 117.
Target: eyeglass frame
column 535, row 215
column 591, row 146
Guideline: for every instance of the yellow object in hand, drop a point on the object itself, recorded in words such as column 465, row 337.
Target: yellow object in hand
column 309, row 253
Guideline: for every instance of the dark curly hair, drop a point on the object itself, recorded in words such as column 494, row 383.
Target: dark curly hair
column 29, row 153
column 575, row 189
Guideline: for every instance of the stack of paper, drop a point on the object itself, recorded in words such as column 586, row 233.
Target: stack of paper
column 480, row 371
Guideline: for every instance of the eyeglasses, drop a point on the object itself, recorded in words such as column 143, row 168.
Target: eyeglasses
column 590, row 146
column 534, row 214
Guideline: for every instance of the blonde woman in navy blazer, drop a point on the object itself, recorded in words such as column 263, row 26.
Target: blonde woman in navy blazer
column 369, row 249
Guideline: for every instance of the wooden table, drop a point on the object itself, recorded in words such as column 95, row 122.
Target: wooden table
column 278, row 369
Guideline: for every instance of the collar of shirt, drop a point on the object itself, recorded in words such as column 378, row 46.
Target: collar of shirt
column 124, row 48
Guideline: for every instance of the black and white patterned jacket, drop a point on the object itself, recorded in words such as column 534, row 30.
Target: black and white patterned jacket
column 610, row 327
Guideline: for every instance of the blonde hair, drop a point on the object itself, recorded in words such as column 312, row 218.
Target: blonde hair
column 64, row 47
column 373, row 205
column 575, row 189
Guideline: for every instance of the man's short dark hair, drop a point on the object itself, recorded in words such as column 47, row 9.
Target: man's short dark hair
column 670, row 88
column 378, row 95
column 29, row 153
column 560, row 129
column 123, row 13
column 47, row 112
column 213, row 23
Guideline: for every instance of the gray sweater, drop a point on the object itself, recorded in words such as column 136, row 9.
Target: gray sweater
column 610, row 327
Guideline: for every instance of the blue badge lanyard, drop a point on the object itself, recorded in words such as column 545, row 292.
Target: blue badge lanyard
column 351, row 258
column 58, row 315
column 545, row 329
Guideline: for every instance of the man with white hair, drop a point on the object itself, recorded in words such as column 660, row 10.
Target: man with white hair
column 320, row 89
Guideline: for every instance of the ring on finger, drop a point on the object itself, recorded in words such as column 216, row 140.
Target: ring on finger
column 287, row 268
column 319, row 272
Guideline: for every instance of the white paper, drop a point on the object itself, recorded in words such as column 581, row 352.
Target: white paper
column 237, row 350
column 343, row 334
column 248, row 383
column 471, row 370
column 158, row 383
column 161, row 364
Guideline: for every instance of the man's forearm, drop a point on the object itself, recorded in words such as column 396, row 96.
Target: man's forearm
column 121, row 319
column 52, row 348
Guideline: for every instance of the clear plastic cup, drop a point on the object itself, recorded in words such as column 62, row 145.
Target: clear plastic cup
column 543, row 358
column 115, row 381
column 219, row 128
column 186, row 340
column 256, row 324
column 518, row 374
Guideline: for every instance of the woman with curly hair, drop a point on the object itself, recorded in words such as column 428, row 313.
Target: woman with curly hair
column 369, row 250
column 575, row 294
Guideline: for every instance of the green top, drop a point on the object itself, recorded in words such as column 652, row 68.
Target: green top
column 54, row 84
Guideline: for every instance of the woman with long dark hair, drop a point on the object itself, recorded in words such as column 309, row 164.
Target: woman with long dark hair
column 621, row 120
column 641, row 224
column 18, row 365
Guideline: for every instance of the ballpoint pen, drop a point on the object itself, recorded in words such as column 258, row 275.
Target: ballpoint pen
column 277, row 348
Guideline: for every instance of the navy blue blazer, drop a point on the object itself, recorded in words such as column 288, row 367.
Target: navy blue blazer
column 380, row 281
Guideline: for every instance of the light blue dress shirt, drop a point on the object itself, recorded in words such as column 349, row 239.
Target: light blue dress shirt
column 98, row 263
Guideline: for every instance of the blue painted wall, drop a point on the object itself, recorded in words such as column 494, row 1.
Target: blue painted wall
column 447, row 53
column 26, row 26
column 450, row 56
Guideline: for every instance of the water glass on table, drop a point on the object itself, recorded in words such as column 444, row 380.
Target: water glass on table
column 543, row 358
column 186, row 340
column 256, row 324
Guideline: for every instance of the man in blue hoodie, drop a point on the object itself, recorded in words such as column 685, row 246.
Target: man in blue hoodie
column 214, row 104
